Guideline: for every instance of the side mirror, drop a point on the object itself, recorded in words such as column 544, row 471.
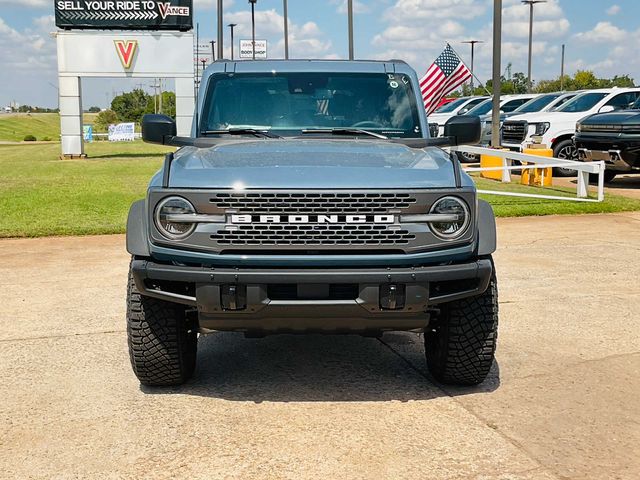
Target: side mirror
column 158, row 129
column 463, row 111
column 607, row 109
column 466, row 129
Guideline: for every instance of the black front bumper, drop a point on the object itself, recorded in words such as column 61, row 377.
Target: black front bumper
column 202, row 288
column 619, row 153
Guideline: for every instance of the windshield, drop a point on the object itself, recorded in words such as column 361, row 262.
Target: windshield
column 537, row 104
column 452, row 106
column 481, row 109
column 583, row 102
column 288, row 103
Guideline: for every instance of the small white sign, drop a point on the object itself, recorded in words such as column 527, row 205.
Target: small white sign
column 122, row 132
column 246, row 50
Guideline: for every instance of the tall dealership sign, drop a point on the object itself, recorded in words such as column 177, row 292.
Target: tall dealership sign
column 122, row 39
column 124, row 14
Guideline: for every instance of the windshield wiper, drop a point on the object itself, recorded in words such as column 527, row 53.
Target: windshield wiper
column 242, row 131
column 345, row 131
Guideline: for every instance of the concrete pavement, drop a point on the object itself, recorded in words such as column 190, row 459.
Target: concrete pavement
column 561, row 401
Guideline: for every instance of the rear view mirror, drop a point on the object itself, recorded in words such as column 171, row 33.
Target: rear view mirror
column 466, row 129
column 158, row 129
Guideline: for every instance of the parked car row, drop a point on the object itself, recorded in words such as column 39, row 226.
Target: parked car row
column 586, row 125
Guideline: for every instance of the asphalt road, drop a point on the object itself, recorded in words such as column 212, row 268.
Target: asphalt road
column 562, row 401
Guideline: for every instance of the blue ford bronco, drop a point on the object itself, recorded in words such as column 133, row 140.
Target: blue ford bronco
column 310, row 198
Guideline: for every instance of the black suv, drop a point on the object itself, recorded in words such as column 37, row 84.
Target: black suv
column 613, row 137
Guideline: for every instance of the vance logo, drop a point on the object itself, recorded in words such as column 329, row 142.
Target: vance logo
column 167, row 9
column 126, row 51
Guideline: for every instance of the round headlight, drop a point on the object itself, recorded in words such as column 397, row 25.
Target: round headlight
column 454, row 228
column 168, row 221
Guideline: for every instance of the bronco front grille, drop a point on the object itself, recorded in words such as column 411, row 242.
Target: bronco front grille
column 514, row 132
column 312, row 235
column 306, row 203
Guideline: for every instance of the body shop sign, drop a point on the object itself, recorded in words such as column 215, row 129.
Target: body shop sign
column 124, row 14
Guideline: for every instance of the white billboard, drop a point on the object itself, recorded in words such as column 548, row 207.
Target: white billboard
column 122, row 132
column 246, row 50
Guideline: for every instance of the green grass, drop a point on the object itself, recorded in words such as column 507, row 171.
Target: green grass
column 14, row 126
column 507, row 206
column 41, row 195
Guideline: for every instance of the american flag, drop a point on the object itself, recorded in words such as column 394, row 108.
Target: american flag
column 446, row 74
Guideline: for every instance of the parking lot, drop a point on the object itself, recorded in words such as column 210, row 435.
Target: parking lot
column 561, row 401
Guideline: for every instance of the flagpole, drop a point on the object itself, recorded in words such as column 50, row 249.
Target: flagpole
column 472, row 73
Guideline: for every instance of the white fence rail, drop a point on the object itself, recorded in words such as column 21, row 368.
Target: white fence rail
column 583, row 169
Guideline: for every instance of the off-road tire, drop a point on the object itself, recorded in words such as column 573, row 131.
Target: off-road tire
column 460, row 343
column 565, row 150
column 162, row 341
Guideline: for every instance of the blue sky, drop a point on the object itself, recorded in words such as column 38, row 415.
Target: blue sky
column 600, row 35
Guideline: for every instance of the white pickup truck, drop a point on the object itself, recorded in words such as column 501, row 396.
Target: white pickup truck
column 556, row 129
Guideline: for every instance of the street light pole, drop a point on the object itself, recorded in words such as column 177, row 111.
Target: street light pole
column 286, row 30
column 531, row 3
column 473, row 44
column 253, row 27
column 562, row 70
column 231, row 27
column 220, row 30
column 350, row 20
column 497, row 70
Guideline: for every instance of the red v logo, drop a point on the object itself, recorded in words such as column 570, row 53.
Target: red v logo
column 126, row 51
column 164, row 9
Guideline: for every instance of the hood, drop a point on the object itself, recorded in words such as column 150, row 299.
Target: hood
column 541, row 117
column 440, row 117
column 613, row 118
column 294, row 163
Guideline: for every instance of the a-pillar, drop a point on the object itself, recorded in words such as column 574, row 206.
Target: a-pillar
column 185, row 106
column 71, row 117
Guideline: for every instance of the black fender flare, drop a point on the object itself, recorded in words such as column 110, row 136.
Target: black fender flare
column 137, row 243
column 487, row 232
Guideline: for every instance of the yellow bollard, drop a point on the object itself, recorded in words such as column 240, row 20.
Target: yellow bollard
column 489, row 161
column 537, row 177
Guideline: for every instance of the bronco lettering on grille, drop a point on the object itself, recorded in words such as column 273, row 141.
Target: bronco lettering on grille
column 348, row 219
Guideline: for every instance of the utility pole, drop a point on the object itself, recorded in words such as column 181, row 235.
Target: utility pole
column 253, row 27
column 562, row 70
column 220, row 30
column 531, row 3
column 473, row 45
column 231, row 27
column 350, row 20
column 286, row 29
column 213, row 50
column 497, row 67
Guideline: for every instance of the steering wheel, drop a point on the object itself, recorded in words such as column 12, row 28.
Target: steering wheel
column 367, row 124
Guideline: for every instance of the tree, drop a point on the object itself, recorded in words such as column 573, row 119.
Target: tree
column 131, row 106
column 583, row 80
column 169, row 104
column 94, row 110
column 104, row 119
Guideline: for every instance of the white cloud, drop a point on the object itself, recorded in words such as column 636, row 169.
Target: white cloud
column 430, row 10
column 603, row 32
column 613, row 10
column 358, row 6
column 305, row 41
column 549, row 20
column 28, row 3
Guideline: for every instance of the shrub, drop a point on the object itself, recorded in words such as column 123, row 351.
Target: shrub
column 29, row 138
column 46, row 139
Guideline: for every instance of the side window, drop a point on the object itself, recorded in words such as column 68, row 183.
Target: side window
column 513, row 104
column 475, row 102
column 623, row 101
